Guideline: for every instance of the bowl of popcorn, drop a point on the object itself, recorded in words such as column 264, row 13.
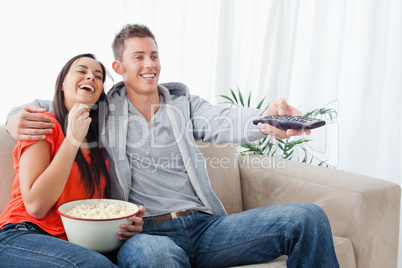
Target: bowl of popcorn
column 94, row 223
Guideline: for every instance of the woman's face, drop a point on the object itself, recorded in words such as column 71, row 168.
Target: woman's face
column 83, row 83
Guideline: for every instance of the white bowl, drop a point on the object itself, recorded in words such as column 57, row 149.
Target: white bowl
column 95, row 234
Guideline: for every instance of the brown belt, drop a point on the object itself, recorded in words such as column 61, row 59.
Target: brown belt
column 172, row 216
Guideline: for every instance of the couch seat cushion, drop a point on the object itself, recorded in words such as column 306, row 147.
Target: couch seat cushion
column 343, row 249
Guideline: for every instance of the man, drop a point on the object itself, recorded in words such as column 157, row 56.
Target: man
column 151, row 142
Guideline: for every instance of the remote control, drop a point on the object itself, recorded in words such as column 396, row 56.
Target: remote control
column 291, row 122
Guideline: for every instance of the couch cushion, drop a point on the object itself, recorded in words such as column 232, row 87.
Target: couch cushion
column 343, row 250
column 223, row 170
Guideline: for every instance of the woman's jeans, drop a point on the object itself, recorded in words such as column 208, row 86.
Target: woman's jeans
column 299, row 230
column 27, row 245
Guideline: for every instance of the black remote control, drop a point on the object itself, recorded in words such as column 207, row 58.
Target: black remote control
column 291, row 122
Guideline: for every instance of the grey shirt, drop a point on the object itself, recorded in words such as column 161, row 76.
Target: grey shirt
column 159, row 177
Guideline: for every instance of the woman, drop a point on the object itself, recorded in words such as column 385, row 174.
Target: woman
column 66, row 166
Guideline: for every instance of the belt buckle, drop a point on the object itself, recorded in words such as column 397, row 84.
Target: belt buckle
column 174, row 214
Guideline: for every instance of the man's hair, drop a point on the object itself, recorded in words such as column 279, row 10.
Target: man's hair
column 128, row 31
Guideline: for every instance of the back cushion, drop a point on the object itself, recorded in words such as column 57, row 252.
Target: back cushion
column 223, row 170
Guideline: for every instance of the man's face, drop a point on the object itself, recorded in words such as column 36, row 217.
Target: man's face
column 140, row 67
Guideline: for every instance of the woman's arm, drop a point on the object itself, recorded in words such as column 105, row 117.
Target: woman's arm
column 42, row 181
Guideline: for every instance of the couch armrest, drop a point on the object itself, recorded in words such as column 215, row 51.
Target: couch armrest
column 363, row 209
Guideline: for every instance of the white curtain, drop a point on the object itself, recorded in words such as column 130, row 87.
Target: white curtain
column 342, row 54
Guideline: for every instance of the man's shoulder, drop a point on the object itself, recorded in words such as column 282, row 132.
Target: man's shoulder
column 175, row 88
column 117, row 91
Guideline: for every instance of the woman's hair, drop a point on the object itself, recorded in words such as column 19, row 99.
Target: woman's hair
column 128, row 31
column 90, row 174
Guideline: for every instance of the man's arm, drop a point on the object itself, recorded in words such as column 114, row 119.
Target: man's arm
column 25, row 124
column 219, row 124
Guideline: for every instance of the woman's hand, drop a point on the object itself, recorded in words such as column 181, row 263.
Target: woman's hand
column 78, row 124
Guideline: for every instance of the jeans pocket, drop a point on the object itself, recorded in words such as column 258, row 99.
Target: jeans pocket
column 10, row 226
column 24, row 226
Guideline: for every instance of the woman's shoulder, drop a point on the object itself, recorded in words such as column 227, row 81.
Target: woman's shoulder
column 52, row 116
column 57, row 131
column 54, row 138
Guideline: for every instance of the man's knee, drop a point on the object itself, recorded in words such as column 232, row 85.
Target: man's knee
column 314, row 212
column 312, row 217
column 151, row 251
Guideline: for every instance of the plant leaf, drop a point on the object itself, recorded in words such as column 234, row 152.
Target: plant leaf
column 240, row 97
column 260, row 104
column 234, row 96
column 227, row 98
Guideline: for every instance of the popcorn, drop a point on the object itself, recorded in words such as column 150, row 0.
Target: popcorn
column 100, row 210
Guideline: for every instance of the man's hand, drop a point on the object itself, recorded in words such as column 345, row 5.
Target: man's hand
column 280, row 107
column 28, row 125
column 132, row 229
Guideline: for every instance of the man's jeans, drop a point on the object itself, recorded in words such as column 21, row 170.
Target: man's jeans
column 299, row 230
column 26, row 245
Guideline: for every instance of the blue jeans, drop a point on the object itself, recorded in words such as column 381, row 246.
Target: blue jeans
column 26, row 245
column 299, row 230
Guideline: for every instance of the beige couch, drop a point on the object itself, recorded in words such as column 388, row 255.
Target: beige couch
column 364, row 212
